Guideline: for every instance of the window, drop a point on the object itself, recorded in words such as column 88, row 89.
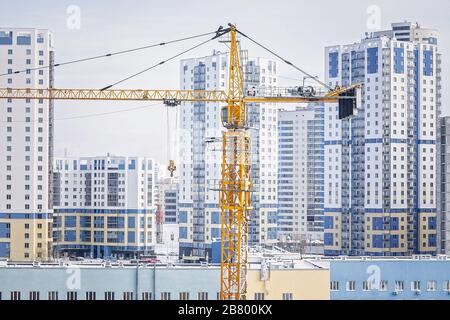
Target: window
column 53, row 295
column 259, row 296
column 15, row 295
column 203, row 296
column 146, row 296
column 109, row 295
column 351, row 286
column 184, row 295
column 431, row 285
column 71, row 295
column 287, row 296
column 165, row 295
column 34, row 295
column 128, row 295
column 334, row 285
column 415, row 285
column 446, row 285
column 367, row 285
column 383, row 285
column 90, row 295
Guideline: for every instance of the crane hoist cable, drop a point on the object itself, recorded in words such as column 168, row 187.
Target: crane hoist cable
column 217, row 34
column 285, row 60
column 171, row 167
column 107, row 55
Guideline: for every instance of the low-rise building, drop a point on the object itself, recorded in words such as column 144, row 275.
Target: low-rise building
column 270, row 277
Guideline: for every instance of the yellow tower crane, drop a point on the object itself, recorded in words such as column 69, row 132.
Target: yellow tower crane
column 236, row 184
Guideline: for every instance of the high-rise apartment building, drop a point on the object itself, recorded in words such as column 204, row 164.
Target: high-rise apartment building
column 444, row 185
column 26, row 146
column 301, row 176
column 201, row 155
column 381, row 172
column 104, row 206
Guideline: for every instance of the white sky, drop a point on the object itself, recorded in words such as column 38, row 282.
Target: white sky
column 298, row 30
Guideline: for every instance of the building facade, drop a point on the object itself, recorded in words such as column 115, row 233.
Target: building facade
column 201, row 156
column 359, row 278
column 381, row 166
column 26, row 144
column 303, row 281
column 444, row 184
column 104, row 206
column 300, row 174
column 418, row 278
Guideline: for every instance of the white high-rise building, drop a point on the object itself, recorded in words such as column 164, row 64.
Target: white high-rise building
column 201, row 155
column 26, row 146
column 104, row 206
column 300, row 174
column 381, row 168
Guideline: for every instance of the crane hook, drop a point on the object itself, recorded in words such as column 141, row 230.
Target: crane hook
column 171, row 167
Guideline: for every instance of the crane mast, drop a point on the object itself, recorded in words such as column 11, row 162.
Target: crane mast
column 235, row 184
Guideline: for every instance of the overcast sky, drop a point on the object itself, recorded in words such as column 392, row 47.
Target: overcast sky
column 298, row 30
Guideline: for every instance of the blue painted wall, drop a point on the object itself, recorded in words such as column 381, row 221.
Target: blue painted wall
column 390, row 271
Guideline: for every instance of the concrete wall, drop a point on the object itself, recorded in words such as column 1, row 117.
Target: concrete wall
column 304, row 284
column 390, row 271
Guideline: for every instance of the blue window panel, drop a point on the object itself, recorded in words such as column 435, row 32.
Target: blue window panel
column 6, row 38
column 142, row 222
column 432, row 240
column 394, row 241
column 333, row 64
column 85, row 235
column 120, row 236
column 215, row 232
column 183, row 232
column 433, row 40
column 4, row 249
column 131, row 236
column 377, row 241
column 183, row 217
column 328, row 222
column 372, row 60
column 132, row 165
column 83, row 167
column 131, row 222
column 70, row 235
column 432, row 223
column 377, row 223
column 141, row 236
column 121, row 222
column 272, row 233
column 215, row 218
column 85, row 222
column 428, row 63
column 395, row 224
column 99, row 222
column 99, row 236
column 399, row 66
column 70, row 221
column 5, row 230
column 24, row 40
column 328, row 239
